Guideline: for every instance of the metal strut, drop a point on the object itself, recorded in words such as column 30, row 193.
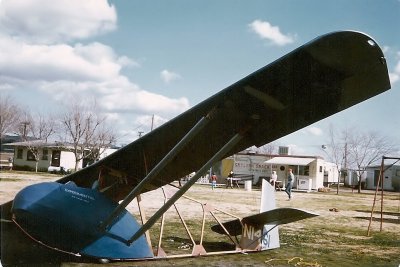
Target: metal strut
column 155, row 171
column 225, row 149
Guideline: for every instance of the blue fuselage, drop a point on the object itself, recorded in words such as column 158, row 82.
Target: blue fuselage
column 67, row 218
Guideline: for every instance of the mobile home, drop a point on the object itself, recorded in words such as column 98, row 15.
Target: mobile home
column 391, row 177
column 310, row 173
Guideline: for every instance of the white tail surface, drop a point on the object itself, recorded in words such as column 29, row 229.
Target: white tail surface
column 270, row 233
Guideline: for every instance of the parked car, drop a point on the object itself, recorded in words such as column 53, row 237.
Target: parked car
column 60, row 170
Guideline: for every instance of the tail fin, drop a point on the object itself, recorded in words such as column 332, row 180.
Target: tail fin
column 270, row 232
column 256, row 234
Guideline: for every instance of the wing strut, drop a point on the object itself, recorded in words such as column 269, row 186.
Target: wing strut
column 155, row 171
column 217, row 156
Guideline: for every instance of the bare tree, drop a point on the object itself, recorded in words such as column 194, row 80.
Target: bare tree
column 104, row 137
column 336, row 150
column 43, row 126
column 35, row 131
column 9, row 114
column 85, row 130
column 268, row 149
column 352, row 148
column 366, row 148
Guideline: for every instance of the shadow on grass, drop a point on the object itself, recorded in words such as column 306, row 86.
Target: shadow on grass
column 384, row 213
column 385, row 220
column 177, row 244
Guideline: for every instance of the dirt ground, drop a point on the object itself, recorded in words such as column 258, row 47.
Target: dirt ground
column 335, row 238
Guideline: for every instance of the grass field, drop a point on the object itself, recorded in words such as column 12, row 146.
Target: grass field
column 331, row 239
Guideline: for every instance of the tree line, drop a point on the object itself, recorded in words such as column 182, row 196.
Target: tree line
column 79, row 126
column 355, row 149
column 83, row 128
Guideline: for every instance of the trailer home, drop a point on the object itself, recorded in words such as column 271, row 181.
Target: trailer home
column 391, row 177
column 310, row 173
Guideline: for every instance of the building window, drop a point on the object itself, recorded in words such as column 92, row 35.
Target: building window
column 20, row 152
column 283, row 150
column 45, row 155
column 31, row 155
column 304, row 170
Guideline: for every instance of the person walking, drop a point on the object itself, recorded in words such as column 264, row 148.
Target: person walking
column 289, row 184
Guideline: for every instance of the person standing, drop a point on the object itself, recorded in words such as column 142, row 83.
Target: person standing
column 213, row 181
column 229, row 181
column 10, row 163
column 289, row 184
column 274, row 178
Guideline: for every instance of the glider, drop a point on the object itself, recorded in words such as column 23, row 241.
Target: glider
column 84, row 213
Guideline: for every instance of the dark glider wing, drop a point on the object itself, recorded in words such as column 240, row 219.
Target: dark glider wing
column 320, row 78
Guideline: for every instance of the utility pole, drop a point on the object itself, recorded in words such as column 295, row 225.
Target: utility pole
column 345, row 165
column 25, row 124
column 152, row 123
column 1, row 135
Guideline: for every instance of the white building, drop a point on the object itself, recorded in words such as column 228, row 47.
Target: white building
column 51, row 156
column 391, row 177
column 251, row 164
column 310, row 172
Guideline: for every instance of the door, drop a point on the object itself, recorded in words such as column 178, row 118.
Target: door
column 55, row 158
column 376, row 177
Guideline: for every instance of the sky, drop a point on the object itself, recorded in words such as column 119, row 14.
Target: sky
column 143, row 58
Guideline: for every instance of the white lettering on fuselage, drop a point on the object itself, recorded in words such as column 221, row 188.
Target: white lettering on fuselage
column 79, row 196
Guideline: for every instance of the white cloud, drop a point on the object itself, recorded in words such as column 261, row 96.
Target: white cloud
column 131, row 125
column 272, row 33
column 63, row 70
column 385, row 49
column 126, row 61
column 6, row 86
column 145, row 122
column 314, row 131
column 295, row 149
column 94, row 61
column 395, row 76
column 117, row 95
column 48, row 21
column 169, row 76
column 38, row 55
column 135, row 100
